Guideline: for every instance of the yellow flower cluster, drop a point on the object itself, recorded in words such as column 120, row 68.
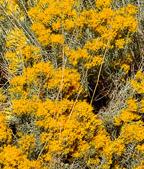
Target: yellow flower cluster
column 129, row 113
column 27, row 143
column 5, row 132
column 67, row 80
column 31, row 52
column 12, row 157
column 23, row 106
column 130, row 119
column 129, row 133
column 103, row 3
column 11, row 6
column 15, row 39
column 138, row 82
column 107, row 23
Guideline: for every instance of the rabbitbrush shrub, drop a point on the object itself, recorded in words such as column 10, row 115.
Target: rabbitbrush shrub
column 74, row 85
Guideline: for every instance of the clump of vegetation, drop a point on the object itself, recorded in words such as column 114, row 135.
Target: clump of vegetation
column 72, row 84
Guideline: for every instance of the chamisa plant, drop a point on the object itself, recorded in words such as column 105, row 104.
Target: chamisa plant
column 72, row 84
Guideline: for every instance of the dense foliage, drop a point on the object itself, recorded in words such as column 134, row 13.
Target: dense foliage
column 72, row 84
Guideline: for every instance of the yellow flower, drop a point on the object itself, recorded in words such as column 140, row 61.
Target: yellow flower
column 103, row 3
column 56, row 25
column 118, row 146
column 96, row 61
column 138, row 82
column 131, row 9
column 120, row 43
column 125, row 68
column 132, row 104
column 31, row 51
column 68, row 81
column 26, row 143
column 57, row 38
column 5, row 132
column 140, row 148
column 16, row 38
column 129, row 133
column 69, row 24
column 142, row 106
column 42, row 33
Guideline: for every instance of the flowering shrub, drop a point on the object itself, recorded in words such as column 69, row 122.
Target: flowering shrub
column 48, row 117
